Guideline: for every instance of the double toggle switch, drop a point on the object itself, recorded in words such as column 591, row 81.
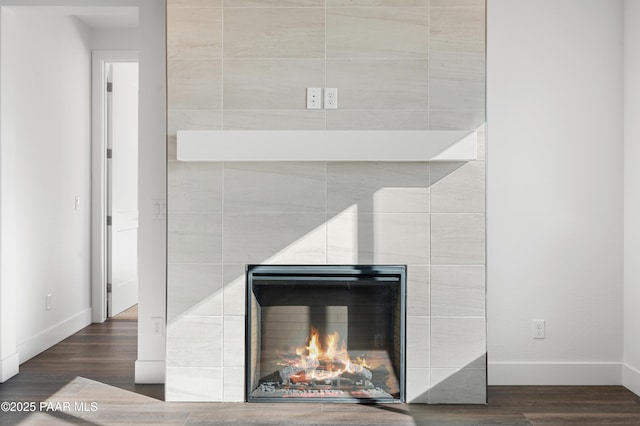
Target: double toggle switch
column 316, row 100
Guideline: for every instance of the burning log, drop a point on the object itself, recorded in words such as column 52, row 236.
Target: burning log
column 298, row 373
column 360, row 370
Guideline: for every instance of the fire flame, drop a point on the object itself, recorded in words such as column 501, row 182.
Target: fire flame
column 317, row 361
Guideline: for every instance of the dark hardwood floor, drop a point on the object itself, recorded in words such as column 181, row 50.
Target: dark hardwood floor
column 88, row 380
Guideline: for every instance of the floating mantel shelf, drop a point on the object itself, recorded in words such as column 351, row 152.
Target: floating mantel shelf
column 327, row 145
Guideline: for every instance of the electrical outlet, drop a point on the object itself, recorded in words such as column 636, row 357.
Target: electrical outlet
column 314, row 98
column 330, row 98
column 538, row 329
column 48, row 302
column 157, row 326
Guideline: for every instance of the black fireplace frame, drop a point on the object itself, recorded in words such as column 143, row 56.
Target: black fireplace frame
column 370, row 273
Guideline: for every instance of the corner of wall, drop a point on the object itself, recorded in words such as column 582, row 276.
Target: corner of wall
column 631, row 379
column 9, row 367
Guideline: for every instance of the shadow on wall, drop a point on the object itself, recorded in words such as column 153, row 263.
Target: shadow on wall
column 465, row 385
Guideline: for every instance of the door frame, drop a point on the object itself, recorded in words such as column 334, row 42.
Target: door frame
column 99, row 176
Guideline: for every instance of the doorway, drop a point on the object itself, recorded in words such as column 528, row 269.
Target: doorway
column 115, row 169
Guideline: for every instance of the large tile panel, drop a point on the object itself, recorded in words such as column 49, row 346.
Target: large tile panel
column 233, row 390
column 279, row 238
column 273, row 3
column 378, row 187
column 195, row 342
column 233, row 352
column 392, row 84
column 377, row 120
column 381, row 3
column 457, row 81
column 194, row 289
column 274, row 120
column 194, row 84
column 194, row 33
column 418, row 385
column 418, row 290
column 458, row 290
column 276, row 84
column 418, row 338
column 274, row 33
column 458, row 342
column 458, row 386
column 459, row 119
column 194, row 187
column 457, row 187
column 458, row 3
column 377, row 32
column 378, row 238
column 192, row 3
column 194, row 238
column 274, row 187
column 457, row 55
column 234, row 289
column 194, row 384
column 457, row 239
column 457, row 30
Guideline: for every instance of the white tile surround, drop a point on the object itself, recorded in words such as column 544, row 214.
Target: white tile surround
column 414, row 65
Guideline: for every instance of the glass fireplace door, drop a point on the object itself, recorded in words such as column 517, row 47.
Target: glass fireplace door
column 325, row 333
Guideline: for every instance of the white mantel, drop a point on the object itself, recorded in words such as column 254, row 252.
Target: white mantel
column 327, row 145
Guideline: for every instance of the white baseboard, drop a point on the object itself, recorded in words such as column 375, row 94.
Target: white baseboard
column 53, row 335
column 554, row 373
column 9, row 367
column 631, row 379
column 150, row 372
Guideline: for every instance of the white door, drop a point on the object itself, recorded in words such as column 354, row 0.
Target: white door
column 122, row 203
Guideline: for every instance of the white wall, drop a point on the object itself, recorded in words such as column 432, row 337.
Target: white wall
column 555, row 199
column 631, row 371
column 152, row 233
column 49, row 99
column 115, row 39
column 9, row 357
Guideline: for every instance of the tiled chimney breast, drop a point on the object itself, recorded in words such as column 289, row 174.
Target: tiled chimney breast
column 398, row 65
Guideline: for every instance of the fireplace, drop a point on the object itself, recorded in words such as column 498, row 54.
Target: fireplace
column 325, row 333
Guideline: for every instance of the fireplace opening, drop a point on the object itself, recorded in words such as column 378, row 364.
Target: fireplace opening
column 325, row 333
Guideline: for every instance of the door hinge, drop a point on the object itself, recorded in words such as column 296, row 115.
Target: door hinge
column 109, row 153
column 109, row 220
column 108, row 287
column 109, row 87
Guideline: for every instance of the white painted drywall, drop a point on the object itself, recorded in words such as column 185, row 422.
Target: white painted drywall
column 48, row 72
column 114, row 39
column 555, row 190
column 150, row 366
column 9, row 359
column 631, row 372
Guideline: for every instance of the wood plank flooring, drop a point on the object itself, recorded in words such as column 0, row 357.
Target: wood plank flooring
column 88, row 380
